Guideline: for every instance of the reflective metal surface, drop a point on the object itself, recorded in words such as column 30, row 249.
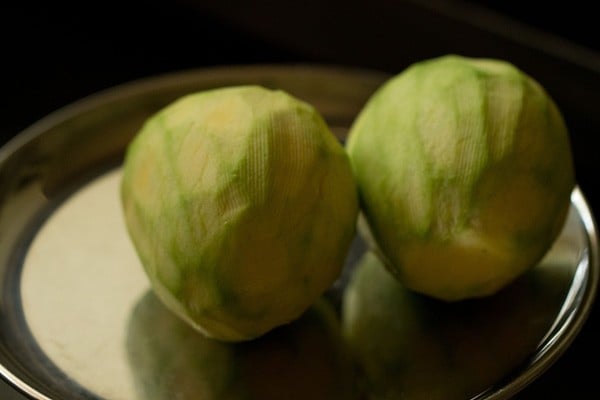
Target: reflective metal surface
column 78, row 320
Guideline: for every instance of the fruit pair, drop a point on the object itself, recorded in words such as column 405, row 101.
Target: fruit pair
column 242, row 205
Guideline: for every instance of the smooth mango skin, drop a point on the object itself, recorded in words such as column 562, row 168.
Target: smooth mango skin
column 241, row 205
column 465, row 172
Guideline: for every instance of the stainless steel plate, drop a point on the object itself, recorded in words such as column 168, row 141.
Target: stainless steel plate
column 77, row 310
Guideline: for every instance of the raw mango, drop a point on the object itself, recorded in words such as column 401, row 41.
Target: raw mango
column 465, row 172
column 241, row 205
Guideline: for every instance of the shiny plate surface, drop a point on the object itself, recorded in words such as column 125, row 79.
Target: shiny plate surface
column 79, row 320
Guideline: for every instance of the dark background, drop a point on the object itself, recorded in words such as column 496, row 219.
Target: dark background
column 53, row 54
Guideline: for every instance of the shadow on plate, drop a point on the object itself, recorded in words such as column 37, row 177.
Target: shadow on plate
column 410, row 346
column 302, row 360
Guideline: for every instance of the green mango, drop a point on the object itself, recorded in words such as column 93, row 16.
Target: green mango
column 465, row 172
column 241, row 205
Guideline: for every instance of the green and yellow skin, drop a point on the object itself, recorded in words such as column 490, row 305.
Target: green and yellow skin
column 465, row 172
column 305, row 359
column 241, row 205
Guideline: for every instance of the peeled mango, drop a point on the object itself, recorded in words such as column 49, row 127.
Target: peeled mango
column 241, row 205
column 465, row 172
